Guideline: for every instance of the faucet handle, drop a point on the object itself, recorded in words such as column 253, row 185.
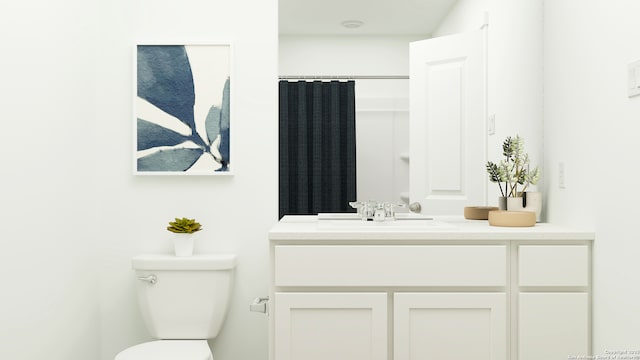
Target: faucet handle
column 390, row 209
column 359, row 206
column 374, row 210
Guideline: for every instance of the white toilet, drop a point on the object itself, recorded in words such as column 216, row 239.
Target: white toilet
column 183, row 301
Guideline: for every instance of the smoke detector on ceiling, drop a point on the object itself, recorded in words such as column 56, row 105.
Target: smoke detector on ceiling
column 352, row 24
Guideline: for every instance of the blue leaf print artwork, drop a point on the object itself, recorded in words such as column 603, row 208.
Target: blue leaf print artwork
column 169, row 160
column 151, row 135
column 183, row 109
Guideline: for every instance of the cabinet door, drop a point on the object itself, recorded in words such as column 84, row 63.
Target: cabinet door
column 336, row 326
column 450, row 326
column 553, row 326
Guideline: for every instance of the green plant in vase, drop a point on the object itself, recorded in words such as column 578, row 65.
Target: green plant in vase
column 514, row 170
column 184, row 226
column 183, row 240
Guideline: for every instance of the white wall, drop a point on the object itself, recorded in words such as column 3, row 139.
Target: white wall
column 345, row 55
column 592, row 126
column 73, row 214
column 514, row 68
column 236, row 211
column 49, row 302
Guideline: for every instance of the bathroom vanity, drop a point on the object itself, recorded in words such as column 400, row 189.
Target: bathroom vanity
column 447, row 288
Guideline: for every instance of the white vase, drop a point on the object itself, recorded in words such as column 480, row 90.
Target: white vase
column 530, row 201
column 515, row 204
column 534, row 202
column 183, row 244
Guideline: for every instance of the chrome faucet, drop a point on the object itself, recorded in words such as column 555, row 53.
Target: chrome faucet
column 375, row 211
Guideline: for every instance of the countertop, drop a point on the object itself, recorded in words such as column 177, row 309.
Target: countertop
column 308, row 227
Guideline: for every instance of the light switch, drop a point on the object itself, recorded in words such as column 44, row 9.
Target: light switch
column 634, row 79
column 492, row 124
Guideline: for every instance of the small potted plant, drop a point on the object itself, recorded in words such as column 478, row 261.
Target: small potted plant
column 183, row 230
column 515, row 172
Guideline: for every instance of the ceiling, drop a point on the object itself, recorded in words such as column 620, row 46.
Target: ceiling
column 379, row 17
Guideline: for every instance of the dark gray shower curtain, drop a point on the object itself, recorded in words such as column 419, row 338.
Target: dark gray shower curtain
column 317, row 147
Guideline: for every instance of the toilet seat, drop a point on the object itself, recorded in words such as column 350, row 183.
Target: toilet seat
column 168, row 350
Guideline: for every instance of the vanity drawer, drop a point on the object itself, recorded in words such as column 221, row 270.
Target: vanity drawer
column 432, row 265
column 553, row 265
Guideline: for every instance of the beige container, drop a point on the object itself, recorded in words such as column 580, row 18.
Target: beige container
column 512, row 218
column 478, row 212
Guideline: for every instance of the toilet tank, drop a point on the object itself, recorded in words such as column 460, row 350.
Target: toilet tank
column 184, row 297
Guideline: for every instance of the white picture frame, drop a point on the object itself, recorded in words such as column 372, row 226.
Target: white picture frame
column 183, row 109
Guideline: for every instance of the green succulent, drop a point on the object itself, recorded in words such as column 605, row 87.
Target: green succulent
column 184, row 226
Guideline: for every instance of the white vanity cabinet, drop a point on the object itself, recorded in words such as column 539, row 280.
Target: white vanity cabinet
column 467, row 292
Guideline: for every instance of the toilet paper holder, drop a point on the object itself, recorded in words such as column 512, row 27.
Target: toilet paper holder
column 259, row 304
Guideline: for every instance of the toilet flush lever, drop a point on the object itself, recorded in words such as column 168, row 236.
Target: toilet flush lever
column 151, row 279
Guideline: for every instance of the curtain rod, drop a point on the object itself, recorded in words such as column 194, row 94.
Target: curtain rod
column 344, row 77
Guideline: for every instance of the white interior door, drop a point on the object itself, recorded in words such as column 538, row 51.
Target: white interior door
column 448, row 123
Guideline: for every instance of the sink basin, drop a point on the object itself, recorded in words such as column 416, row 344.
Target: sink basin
column 404, row 221
column 354, row 216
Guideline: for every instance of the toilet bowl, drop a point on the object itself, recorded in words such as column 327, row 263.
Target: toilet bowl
column 183, row 302
column 168, row 350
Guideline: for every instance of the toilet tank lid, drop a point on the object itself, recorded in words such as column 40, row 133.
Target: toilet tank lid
column 194, row 262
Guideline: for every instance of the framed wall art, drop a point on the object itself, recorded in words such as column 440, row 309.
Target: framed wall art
column 183, row 110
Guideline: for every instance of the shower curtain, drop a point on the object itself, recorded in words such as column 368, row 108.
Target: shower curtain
column 317, row 155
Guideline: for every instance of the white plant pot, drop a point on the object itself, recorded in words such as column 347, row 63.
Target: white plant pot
column 515, row 204
column 183, row 244
column 533, row 203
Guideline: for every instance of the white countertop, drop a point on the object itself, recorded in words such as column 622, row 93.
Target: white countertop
column 307, row 227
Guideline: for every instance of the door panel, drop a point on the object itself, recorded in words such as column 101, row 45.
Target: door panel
column 553, row 326
column 450, row 326
column 337, row 326
column 448, row 123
